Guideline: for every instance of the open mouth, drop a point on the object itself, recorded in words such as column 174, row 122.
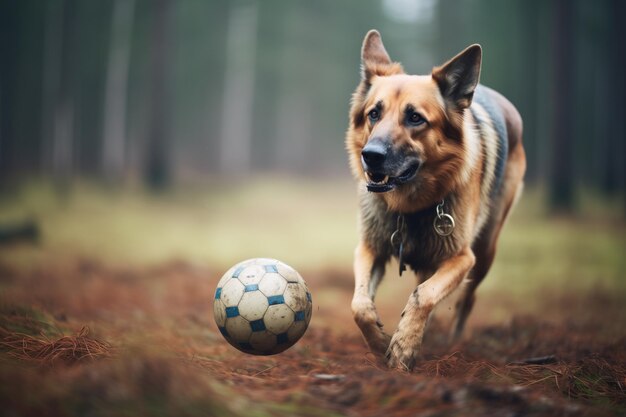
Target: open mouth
column 381, row 183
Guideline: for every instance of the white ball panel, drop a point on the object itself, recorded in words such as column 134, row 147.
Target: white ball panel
column 232, row 292
column 290, row 274
column 219, row 312
column 253, row 305
column 278, row 318
column 251, row 274
column 272, row 284
column 238, row 329
column 295, row 296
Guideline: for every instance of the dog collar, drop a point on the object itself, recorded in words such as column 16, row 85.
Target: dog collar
column 443, row 224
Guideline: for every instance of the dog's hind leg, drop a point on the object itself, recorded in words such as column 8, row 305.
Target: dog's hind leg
column 485, row 250
column 368, row 272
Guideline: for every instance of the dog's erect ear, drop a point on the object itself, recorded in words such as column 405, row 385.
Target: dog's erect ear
column 457, row 78
column 375, row 59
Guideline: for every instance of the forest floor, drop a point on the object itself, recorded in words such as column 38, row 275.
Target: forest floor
column 81, row 334
column 85, row 339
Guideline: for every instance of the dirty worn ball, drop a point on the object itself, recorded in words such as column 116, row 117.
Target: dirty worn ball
column 262, row 306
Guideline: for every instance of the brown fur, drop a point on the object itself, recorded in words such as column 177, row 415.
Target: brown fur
column 452, row 169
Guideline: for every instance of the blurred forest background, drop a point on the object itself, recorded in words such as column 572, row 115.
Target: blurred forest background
column 148, row 145
column 163, row 92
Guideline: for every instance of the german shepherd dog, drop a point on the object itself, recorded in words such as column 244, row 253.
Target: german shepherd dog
column 439, row 164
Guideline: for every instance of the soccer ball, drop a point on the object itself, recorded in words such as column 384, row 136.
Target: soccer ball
column 262, row 306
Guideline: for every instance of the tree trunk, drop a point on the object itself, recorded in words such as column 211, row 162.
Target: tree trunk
column 51, row 79
column 114, row 129
column 236, row 137
column 8, row 77
column 561, row 190
column 614, row 175
column 292, row 147
column 63, row 116
column 157, row 169
column 529, row 106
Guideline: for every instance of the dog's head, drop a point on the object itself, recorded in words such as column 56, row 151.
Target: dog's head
column 406, row 131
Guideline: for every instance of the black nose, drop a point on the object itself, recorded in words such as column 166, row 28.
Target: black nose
column 374, row 154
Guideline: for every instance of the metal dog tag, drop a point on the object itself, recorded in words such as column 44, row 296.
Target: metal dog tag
column 443, row 224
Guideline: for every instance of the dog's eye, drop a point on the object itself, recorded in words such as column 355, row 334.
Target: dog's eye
column 373, row 115
column 415, row 119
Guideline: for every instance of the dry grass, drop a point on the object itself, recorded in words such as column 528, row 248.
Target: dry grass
column 169, row 354
column 47, row 351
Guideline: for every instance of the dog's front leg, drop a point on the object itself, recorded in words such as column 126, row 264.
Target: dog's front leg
column 406, row 341
column 368, row 272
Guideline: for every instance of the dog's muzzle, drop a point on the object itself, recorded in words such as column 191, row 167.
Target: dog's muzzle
column 385, row 168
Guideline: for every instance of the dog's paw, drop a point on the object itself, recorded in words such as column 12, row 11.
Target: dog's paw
column 403, row 352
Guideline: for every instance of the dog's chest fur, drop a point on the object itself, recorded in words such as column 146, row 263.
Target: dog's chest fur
column 423, row 249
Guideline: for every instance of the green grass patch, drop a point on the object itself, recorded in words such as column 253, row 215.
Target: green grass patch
column 309, row 224
column 304, row 224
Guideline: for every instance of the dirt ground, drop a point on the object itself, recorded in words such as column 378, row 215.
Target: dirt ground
column 81, row 338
